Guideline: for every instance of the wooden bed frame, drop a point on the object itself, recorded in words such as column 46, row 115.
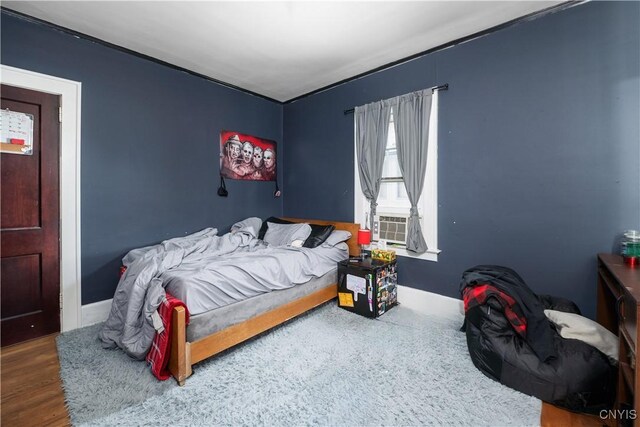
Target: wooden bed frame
column 185, row 354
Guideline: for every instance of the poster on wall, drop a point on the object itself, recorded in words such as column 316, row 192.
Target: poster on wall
column 16, row 132
column 247, row 157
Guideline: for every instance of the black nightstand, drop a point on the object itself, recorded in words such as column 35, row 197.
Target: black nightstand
column 367, row 287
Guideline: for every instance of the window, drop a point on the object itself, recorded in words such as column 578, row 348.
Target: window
column 393, row 203
column 392, row 192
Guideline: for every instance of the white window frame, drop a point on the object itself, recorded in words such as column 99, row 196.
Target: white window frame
column 428, row 204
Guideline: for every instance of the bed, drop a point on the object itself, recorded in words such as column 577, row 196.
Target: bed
column 185, row 353
column 210, row 332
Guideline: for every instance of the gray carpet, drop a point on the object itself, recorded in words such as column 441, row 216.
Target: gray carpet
column 328, row 367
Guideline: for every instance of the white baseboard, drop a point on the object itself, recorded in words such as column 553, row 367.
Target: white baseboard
column 96, row 312
column 429, row 303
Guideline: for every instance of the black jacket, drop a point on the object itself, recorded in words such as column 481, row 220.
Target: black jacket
column 539, row 333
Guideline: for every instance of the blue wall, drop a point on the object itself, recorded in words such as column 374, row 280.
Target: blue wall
column 538, row 148
column 149, row 147
column 538, row 163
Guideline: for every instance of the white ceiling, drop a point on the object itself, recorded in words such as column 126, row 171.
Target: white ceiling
column 278, row 49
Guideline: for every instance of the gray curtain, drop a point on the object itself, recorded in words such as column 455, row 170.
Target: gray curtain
column 411, row 117
column 372, row 128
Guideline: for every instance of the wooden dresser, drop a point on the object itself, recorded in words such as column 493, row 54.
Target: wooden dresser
column 617, row 310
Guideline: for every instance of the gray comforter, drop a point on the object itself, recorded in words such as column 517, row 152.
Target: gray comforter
column 205, row 271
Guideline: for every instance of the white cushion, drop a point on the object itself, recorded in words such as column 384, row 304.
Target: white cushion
column 250, row 225
column 574, row 326
column 286, row 234
column 297, row 243
column 336, row 237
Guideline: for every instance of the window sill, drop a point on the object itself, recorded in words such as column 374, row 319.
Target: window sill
column 429, row 255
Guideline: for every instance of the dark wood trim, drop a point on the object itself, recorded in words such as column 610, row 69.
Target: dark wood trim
column 525, row 18
column 618, row 309
column 42, row 22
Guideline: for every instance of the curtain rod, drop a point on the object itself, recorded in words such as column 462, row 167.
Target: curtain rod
column 434, row 88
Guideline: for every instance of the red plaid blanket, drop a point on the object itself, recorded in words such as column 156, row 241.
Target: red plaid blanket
column 477, row 295
column 158, row 356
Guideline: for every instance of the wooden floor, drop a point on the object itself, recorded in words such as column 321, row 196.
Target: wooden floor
column 553, row 416
column 30, row 385
column 32, row 395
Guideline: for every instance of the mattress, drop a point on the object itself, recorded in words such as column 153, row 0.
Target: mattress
column 221, row 318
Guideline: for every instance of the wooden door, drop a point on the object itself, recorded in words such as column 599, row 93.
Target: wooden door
column 30, row 223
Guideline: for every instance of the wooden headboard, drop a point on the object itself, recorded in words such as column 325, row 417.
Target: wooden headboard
column 354, row 248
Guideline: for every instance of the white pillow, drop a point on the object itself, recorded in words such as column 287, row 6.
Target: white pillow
column 337, row 236
column 286, row 234
column 250, row 225
column 574, row 326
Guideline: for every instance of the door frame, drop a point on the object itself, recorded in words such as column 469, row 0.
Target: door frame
column 70, row 245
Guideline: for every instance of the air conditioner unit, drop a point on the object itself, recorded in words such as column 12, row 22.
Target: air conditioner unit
column 392, row 228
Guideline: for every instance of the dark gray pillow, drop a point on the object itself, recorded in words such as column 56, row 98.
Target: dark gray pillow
column 319, row 233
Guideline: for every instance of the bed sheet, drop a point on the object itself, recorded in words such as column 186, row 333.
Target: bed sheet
column 209, row 283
